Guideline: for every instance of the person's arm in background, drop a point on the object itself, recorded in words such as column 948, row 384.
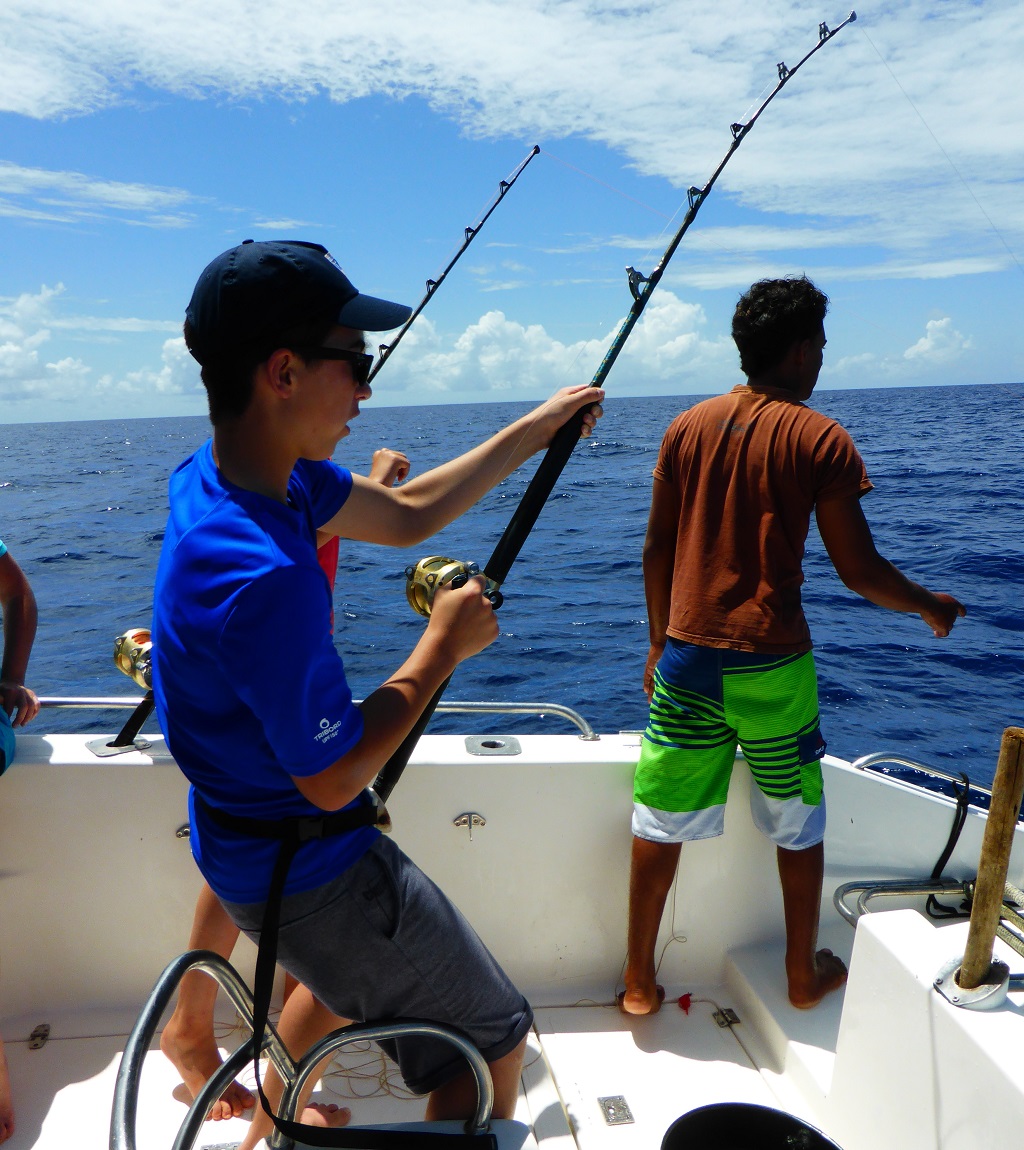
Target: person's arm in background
column 19, row 611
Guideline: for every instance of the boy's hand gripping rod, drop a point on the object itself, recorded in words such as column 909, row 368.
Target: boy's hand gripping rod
column 436, row 570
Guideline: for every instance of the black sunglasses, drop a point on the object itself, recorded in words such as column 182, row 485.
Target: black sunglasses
column 359, row 361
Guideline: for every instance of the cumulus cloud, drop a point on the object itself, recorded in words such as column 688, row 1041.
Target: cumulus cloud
column 32, row 368
column 940, row 344
column 500, row 358
column 939, row 347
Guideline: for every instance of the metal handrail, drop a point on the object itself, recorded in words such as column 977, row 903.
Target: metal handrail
column 124, row 1112
column 451, row 708
column 875, row 888
column 865, row 762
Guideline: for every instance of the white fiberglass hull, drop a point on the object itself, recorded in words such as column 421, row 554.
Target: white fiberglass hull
column 97, row 889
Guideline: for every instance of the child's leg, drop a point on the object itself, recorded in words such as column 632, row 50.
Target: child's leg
column 188, row 1039
column 304, row 1021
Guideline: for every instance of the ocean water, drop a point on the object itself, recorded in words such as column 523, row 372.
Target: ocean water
column 82, row 508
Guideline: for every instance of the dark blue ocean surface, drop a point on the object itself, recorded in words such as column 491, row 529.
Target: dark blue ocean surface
column 82, row 507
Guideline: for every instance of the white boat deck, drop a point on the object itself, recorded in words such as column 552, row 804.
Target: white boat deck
column 662, row 1066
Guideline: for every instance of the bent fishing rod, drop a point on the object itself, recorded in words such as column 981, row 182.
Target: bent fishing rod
column 385, row 349
column 424, row 579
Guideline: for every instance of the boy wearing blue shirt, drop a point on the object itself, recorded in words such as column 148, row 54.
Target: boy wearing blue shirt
column 251, row 691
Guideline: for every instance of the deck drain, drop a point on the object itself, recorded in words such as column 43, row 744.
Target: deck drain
column 616, row 1110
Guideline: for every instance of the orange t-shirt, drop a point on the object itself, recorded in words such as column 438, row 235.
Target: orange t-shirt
column 748, row 468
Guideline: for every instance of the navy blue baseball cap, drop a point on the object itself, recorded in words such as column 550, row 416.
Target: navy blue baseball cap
column 252, row 294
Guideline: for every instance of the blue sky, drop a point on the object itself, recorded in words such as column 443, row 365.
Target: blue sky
column 136, row 142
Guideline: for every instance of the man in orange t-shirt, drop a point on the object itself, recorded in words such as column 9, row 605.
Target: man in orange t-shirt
column 730, row 662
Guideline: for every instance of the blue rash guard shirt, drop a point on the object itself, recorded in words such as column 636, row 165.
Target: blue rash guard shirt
column 249, row 687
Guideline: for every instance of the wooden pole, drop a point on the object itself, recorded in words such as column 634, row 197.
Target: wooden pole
column 1007, row 791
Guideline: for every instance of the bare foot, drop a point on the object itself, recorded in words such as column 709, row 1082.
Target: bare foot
column 195, row 1056
column 325, row 1114
column 6, row 1105
column 829, row 974
column 322, row 1114
column 639, row 1000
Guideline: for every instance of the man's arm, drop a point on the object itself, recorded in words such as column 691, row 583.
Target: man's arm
column 461, row 623
column 406, row 515
column 659, row 560
column 847, row 538
column 19, row 610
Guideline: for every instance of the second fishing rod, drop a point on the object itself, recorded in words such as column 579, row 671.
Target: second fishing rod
column 425, row 577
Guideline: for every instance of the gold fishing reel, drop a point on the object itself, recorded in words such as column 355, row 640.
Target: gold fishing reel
column 133, row 655
column 424, row 578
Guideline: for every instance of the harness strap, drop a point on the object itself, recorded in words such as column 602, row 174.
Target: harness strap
column 292, row 833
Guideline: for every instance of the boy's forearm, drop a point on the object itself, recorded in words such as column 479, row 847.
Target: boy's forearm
column 439, row 496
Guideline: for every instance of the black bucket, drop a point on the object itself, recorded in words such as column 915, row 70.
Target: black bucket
column 742, row 1126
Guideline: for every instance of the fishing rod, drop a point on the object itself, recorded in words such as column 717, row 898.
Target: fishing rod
column 385, row 349
column 429, row 574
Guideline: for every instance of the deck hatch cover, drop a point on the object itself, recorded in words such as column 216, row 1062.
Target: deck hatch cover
column 616, row 1110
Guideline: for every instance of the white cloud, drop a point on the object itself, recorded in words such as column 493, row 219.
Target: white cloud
column 850, row 154
column 31, row 370
column 940, row 344
column 939, row 347
column 500, row 358
column 71, row 197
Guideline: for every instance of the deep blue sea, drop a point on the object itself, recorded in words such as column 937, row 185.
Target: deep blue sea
column 82, row 508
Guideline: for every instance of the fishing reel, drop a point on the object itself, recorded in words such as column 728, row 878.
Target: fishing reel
column 424, row 578
column 133, row 655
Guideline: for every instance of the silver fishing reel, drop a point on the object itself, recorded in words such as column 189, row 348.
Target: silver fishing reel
column 133, row 656
column 424, row 578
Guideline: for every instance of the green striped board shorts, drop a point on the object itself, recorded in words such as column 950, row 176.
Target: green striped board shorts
column 708, row 700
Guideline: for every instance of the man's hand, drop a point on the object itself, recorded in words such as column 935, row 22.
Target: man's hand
column 16, row 697
column 655, row 654
column 462, row 620
column 389, row 466
column 944, row 614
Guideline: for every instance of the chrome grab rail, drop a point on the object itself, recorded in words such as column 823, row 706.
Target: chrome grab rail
column 881, row 888
column 450, row 708
column 867, row 761
column 124, row 1112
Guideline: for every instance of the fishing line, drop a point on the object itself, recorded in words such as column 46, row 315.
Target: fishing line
column 949, row 159
column 609, row 187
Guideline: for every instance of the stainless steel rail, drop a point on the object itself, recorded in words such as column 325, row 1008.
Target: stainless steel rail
column 866, row 762
column 451, row 708
column 874, row 888
column 124, row 1113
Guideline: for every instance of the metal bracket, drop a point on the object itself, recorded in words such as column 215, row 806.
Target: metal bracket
column 127, row 739
column 990, row 995
column 39, row 1036
column 726, row 1017
column 616, row 1110
column 469, row 819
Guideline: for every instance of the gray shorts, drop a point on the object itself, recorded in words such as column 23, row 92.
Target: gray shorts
column 380, row 942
